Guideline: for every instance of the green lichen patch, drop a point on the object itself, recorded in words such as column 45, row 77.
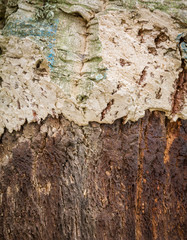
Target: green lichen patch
column 81, row 98
column 45, row 12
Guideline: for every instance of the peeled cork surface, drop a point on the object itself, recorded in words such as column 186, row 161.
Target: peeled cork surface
column 62, row 181
column 93, row 129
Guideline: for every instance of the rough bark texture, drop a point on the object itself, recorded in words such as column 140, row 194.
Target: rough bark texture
column 93, row 63
column 105, row 182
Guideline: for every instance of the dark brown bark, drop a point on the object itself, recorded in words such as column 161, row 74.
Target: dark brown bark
column 101, row 182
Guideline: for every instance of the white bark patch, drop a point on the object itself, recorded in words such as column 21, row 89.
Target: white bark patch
column 141, row 61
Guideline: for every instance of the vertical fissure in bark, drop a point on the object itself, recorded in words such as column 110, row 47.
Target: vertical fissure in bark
column 86, row 34
column 180, row 90
column 138, row 230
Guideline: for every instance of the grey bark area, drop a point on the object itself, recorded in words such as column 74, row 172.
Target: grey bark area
column 60, row 181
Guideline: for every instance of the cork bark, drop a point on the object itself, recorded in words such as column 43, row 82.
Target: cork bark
column 62, row 181
column 91, row 61
column 93, row 129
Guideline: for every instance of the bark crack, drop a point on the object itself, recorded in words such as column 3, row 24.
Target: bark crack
column 143, row 75
column 139, row 184
column 84, row 49
column 180, row 90
column 181, row 83
column 107, row 109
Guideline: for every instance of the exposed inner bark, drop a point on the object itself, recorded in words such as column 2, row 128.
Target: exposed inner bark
column 62, row 181
column 180, row 90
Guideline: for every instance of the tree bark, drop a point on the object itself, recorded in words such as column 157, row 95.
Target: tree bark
column 62, row 181
column 93, row 129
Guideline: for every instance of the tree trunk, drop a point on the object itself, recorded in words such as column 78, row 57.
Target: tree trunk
column 62, row 181
column 92, row 120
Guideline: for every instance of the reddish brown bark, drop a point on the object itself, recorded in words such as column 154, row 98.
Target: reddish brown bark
column 178, row 97
column 99, row 182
